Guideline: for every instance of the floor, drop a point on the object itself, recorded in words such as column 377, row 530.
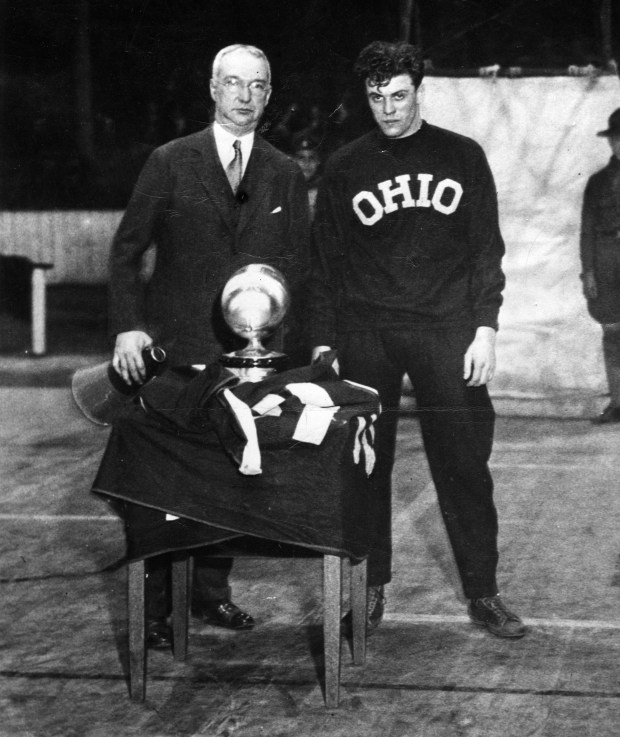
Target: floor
column 429, row 672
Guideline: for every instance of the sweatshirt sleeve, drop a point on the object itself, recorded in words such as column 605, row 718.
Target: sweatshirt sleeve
column 487, row 249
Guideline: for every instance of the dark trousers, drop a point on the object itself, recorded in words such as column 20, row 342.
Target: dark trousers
column 611, row 354
column 210, row 582
column 457, row 424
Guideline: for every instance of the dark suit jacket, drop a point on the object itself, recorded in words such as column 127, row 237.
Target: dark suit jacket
column 182, row 203
column 600, row 240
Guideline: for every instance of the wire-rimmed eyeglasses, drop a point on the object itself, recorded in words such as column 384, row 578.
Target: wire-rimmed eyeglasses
column 257, row 87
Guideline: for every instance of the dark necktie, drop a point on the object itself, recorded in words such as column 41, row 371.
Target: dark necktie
column 235, row 168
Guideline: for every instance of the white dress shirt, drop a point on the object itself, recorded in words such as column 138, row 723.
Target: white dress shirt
column 224, row 143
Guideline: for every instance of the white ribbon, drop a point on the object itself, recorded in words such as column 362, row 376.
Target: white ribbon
column 251, row 460
column 309, row 393
column 313, row 424
column 364, row 440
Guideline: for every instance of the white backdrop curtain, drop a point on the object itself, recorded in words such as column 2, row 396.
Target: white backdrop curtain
column 540, row 138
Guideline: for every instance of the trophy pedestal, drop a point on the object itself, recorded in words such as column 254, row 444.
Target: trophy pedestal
column 254, row 302
column 254, row 368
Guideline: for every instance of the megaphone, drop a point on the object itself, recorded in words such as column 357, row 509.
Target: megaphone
column 100, row 392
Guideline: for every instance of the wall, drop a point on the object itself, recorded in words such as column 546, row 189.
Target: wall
column 540, row 137
column 76, row 242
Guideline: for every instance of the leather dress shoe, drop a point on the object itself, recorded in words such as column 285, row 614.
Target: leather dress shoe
column 158, row 633
column 491, row 612
column 223, row 614
column 608, row 415
column 375, row 607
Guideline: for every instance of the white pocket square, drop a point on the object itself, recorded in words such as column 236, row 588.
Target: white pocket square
column 278, row 209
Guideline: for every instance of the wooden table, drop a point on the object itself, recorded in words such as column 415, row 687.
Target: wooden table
column 314, row 498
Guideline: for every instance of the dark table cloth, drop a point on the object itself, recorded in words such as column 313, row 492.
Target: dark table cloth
column 315, row 496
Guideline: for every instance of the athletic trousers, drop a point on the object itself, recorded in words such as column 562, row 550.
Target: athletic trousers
column 457, row 424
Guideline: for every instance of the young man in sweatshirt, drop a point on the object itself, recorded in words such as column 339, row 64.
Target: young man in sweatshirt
column 407, row 279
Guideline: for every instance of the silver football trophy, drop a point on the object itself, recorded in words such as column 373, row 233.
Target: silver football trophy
column 254, row 302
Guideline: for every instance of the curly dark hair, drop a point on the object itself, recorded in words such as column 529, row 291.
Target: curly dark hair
column 382, row 60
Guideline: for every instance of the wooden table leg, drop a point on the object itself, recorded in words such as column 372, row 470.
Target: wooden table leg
column 358, row 610
column 332, row 592
column 180, row 605
column 38, row 309
column 136, row 628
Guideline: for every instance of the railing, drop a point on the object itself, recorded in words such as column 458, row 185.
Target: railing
column 76, row 242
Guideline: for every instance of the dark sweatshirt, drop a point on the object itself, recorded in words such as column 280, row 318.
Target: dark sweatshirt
column 406, row 236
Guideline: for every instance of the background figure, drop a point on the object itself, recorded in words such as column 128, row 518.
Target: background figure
column 348, row 121
column 600, row 261
column 292, row 120
column 211, row 202
column 407, row 278
column 306, row 154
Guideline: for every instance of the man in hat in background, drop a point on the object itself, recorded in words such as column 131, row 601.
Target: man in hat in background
column 211, row 203
column 600, row 261
column 306, row 154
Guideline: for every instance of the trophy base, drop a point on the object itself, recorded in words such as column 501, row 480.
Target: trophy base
column 253, row 368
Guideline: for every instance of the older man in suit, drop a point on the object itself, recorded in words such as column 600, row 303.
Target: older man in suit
column 210, row 203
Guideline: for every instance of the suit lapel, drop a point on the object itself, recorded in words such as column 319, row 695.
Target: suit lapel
column 256, row 182
column 212, row 177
